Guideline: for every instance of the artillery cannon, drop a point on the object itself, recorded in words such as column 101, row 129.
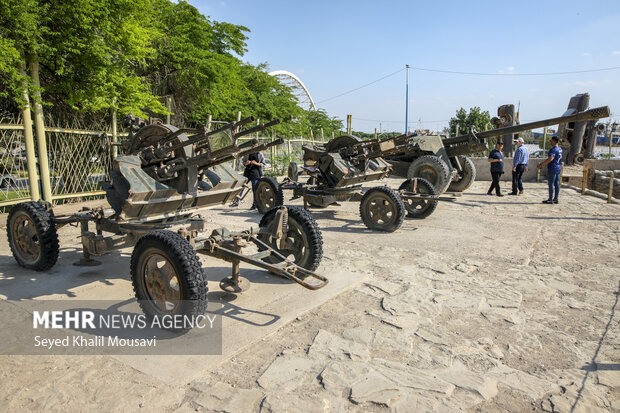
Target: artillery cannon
column 155, row 190
column 336, row 172
column 444, row 161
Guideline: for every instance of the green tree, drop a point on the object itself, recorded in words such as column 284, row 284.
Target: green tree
column 89, row 51
column 476, row 118
column 127, row 54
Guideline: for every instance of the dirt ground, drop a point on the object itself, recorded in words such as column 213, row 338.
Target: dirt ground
column 490, row 304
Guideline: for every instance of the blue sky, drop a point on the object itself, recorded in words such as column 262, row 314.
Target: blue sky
column 336, row 46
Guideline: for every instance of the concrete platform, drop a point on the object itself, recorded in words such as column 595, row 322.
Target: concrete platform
column 269, row 304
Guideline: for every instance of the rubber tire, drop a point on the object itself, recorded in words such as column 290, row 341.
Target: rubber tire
column 184, row 259
column 310, row 227
column 277, row 190
column 438, row 165
column 42, row 219
column 468, row 175
column 343, row 141
column 426, row 188
column 293, row 171
column 394, row 197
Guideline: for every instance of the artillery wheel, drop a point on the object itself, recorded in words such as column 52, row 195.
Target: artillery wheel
column 433, row 169
column 419, row 208
column 167, row 276
column 32, row 236
column 382, row 209
column 465, row 178
column 304, row 240
column 268, row 194
column 341, row 142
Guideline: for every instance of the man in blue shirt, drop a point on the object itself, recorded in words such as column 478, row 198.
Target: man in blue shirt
column 496, row 159
column 519, row 165
column 554, row 162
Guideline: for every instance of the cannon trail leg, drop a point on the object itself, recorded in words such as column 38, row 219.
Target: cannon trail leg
column 234, row 283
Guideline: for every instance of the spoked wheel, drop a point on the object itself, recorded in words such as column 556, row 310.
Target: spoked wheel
column 167, row 276
column 268, row 194
column 32, row 236
column 304, row 243
column 382, row 209
column 419, row 208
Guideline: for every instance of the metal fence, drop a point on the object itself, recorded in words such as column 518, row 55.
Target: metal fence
column 79, row 160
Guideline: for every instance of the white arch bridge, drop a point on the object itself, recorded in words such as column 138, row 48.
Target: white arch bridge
column 300, row 91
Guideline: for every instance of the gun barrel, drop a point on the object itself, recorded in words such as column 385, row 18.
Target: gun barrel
column 591, row 114
column 258, row 128
column 239, row 154
column 208, row 160
column 201, row 135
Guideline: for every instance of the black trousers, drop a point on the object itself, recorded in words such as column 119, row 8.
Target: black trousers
column 517, row 182
column 495, row 184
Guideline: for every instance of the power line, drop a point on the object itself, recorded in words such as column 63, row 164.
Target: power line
column 514, row 74
column 363, row 86
column 398, row 121
column 468, row 73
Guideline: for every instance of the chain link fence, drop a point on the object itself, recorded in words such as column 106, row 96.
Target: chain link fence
column 14, row 185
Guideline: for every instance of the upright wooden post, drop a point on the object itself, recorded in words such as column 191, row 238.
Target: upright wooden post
column 39, row 125
column 114, row 134
column 273, row 152
column 31, row 158
column 611, row 133
column 544, row 139
column 610, row 193
column 236, row 162
column 209, row 120
column 168, row 108
column 375, row 133
column 349, row 124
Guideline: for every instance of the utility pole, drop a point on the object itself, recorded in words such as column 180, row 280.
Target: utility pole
column 407, row 101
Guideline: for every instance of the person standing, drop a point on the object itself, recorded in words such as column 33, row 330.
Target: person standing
column 496, row 159
column 254, row 164
column 554, row 162
column 519, row 166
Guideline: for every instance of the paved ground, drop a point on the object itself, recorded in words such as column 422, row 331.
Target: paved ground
column 490, row 304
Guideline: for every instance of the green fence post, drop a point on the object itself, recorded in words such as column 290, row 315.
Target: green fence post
column 44, row 166
column 31, row 158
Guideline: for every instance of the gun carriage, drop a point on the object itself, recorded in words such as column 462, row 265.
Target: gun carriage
column 444, row 161
column 155, row 191
column 336, row 172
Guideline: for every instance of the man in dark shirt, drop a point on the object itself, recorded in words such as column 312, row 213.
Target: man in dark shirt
column 254, row 164
column 496, row 159
column 554, row 168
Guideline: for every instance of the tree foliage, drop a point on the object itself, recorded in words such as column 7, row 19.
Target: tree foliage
column 481, row 120
column 129, row 54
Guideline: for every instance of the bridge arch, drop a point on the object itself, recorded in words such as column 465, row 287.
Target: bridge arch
column 299, row 89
